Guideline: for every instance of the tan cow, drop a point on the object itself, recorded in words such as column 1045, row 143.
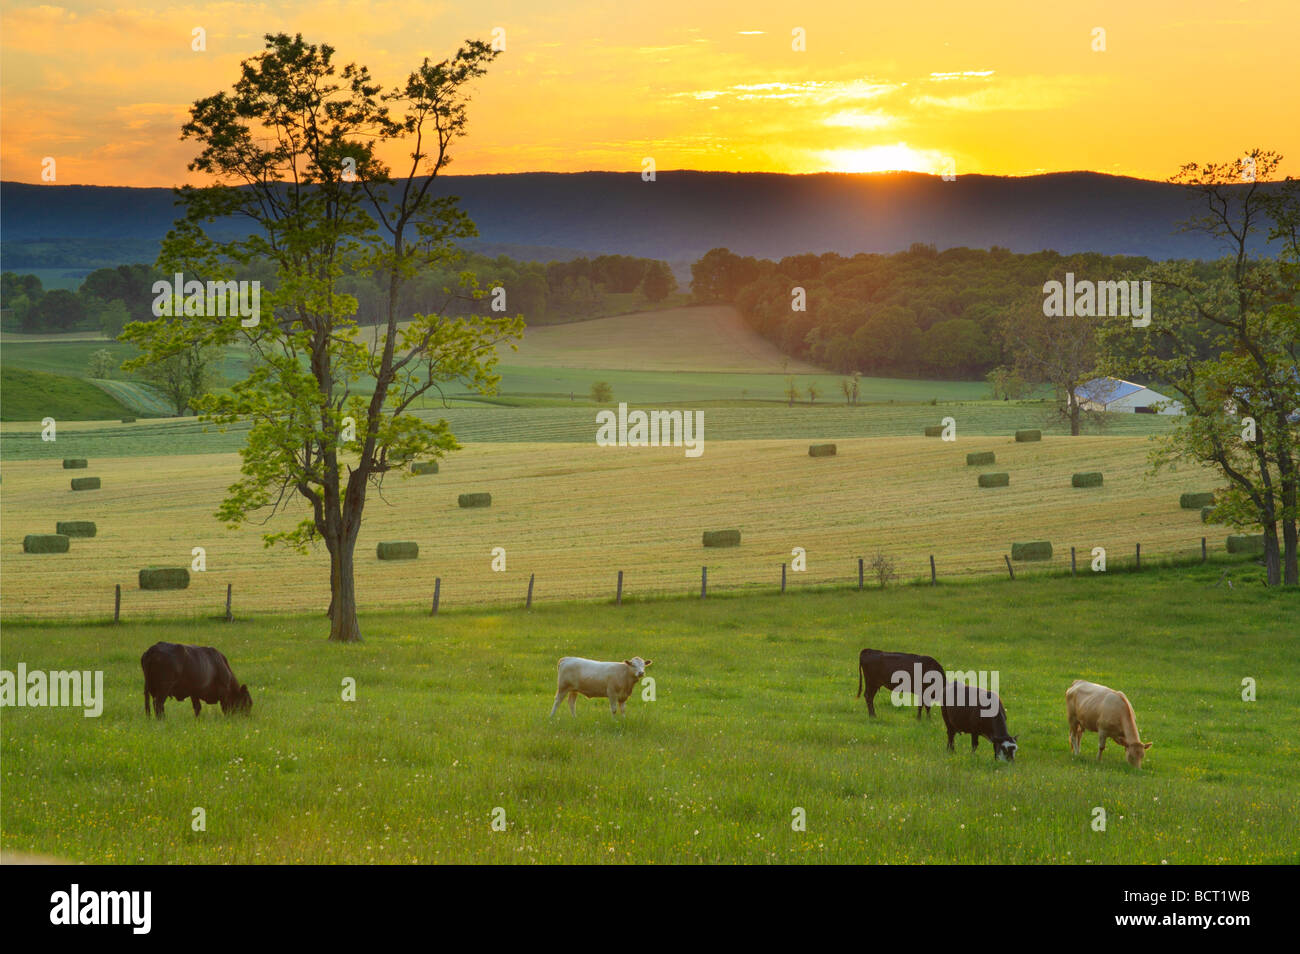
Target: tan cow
column 1106, row 712
column 614, row 680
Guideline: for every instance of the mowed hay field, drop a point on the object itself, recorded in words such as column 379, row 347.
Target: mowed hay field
column 576, row 514
column 754, row 716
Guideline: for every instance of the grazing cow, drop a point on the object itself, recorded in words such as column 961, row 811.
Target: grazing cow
column 200, row 673
column 1106, row 712
column 922, row 676
column 978, row 712
column 614, row 680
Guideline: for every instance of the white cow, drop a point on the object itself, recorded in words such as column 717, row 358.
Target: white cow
column 614, row 680
column 1108, row 713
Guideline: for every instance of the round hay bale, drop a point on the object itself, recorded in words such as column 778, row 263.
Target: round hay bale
column 980, row 458
column 475, row 500
column 164, row 578
column 397, row 550
column 75, row 463
column 1034, row 550
column 1207, row 515
column 424, row 467
column 821, row 450
column 722, row 538
column 76, row 528
column 934, row 430
column 1091, row 478
column 995, row 480
column 46, row 543
column 1246, row 543
column 85, row 483
column 1196, row 501
column 1028, row 435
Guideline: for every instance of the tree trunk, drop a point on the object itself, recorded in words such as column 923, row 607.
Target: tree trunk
column 1291, row 573
column 1074, row 419
column 1272, row 561
column 344, row 627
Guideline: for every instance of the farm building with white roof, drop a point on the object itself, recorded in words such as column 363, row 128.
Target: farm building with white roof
column 1116, row 394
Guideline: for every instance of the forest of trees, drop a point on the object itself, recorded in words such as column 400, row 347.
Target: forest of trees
column 922, row 312
column 542, row 292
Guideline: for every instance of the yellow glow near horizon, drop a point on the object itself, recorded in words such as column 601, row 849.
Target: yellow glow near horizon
column 1003, row 87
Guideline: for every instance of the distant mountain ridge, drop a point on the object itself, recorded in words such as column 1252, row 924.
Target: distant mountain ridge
column 683, row 214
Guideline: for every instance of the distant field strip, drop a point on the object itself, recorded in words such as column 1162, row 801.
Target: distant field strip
column 138, row 397
column 701, row 338
column 576, row 514
column 547, row 425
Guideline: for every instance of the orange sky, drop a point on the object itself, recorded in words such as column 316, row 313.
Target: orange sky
column 1009, row 88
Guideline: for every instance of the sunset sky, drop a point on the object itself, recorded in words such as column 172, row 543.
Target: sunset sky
column 1011, row 88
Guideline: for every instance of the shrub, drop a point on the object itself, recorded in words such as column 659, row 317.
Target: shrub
column 602, row 392
column 883, row 569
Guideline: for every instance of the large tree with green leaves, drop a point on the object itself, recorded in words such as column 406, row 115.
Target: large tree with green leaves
column 1225, row 336
column 292, row 150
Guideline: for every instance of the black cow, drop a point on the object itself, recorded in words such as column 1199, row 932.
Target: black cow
column 922, row 676
column 200, row 673
column 978, row 712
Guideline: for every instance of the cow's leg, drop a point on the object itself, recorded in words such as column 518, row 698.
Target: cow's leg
column 622, row 705
column 1076, row 737
column 613, row 704
column 559, row 694
column 158, row 705
column 871, row 699
column 952, row 734
column 573, row 703
column 197, row 705
column 146, row 702
column 974, row 741
column 1101, row 742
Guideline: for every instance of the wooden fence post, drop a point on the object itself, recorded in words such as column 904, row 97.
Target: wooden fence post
column 933, row 579
column 1203, row 549
column 117, row 604
column 437, row 591
column 1072, row 570
column 1139, row 556
column 782, row 577
column 1009, row 570
column 229, row 587
column 618, row 596
column 859, row 572
column 529, row 603
column 704, row 582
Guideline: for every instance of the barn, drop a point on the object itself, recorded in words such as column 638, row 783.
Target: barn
column 1118, row 395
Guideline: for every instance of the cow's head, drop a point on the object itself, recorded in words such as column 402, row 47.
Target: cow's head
column 639, row 665
column 238, row 701
column 1134, row 752
column 1005, row 748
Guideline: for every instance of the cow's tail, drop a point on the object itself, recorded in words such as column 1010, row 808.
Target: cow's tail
column 861, row 673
